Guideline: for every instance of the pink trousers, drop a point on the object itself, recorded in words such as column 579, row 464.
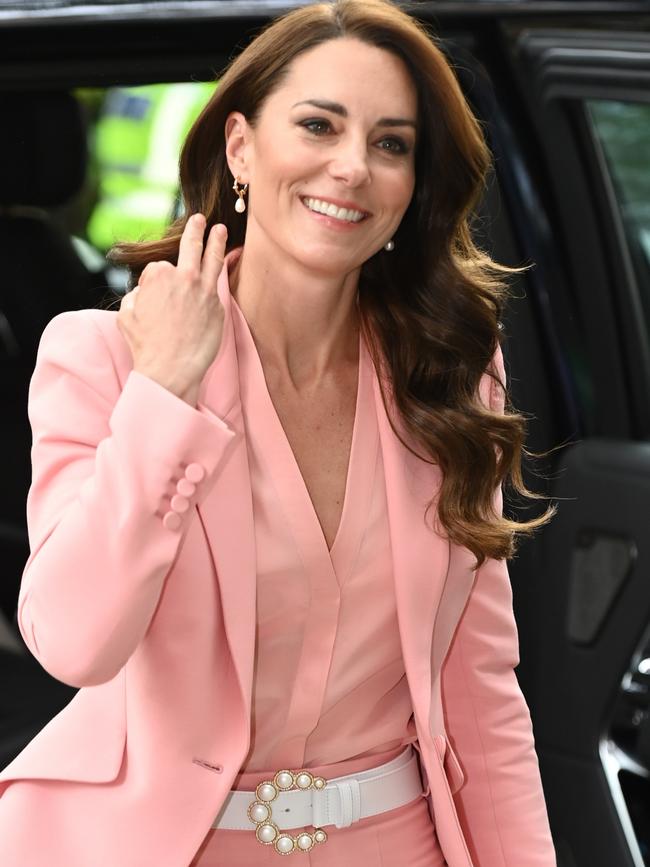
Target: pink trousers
column 395, row 838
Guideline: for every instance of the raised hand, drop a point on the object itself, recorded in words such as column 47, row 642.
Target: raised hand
column 173, row 319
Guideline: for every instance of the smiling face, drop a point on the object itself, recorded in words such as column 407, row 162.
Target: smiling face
column 330, row 163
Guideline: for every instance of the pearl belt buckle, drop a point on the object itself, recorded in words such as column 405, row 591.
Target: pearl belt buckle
column 261, row 814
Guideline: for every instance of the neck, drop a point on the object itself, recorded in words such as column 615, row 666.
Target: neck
column 305, row 325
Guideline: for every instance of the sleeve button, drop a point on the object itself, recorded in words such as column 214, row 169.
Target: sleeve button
column 185, row 488
column 194, row 473
column 172, row 520
column 180, row 504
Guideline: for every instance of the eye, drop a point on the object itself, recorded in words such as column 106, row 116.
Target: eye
column 312, row 123
column 396, row 145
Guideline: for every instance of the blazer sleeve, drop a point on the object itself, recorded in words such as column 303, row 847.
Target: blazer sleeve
column 501, row 805
column 105, row 462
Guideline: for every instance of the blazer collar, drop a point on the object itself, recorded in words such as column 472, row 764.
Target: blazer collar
column 420, row 555
column 220, row 387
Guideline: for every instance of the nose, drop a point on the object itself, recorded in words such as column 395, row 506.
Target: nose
column 349, row 164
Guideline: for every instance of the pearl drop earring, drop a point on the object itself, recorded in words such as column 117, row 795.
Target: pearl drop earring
column 389, row 246
column 240, row 204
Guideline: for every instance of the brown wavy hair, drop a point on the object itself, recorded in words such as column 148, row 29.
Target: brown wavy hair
column 430, row 309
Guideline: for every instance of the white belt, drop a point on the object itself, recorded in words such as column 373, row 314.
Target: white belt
column 294, row 799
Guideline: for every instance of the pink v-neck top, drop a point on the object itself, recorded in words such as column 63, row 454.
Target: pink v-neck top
column 329, row 680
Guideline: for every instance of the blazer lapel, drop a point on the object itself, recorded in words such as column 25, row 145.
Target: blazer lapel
column 420, row 556
column 227, row 510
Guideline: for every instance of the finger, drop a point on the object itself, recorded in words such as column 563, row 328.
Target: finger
column 214, row 255
column 146, row 271
column 190, row 248
column 128, row 300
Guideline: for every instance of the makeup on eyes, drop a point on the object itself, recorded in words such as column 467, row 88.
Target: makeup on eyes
column 404, row 147
column 337, row 108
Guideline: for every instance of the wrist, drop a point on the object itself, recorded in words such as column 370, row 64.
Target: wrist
column 187, row 392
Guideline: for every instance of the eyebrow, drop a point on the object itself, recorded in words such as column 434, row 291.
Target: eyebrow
column 341, row 110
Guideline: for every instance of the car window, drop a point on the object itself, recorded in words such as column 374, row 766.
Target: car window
column 622, row 130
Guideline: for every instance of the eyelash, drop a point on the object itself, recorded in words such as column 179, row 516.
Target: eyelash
column 403, row 147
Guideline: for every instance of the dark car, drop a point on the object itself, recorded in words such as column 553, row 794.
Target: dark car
column 563, row 92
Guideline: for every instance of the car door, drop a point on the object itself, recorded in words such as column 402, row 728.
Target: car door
column 568, row 114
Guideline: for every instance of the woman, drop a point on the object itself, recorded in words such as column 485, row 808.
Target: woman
column 266, row 503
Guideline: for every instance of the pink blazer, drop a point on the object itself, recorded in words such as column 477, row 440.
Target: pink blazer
column 151, row 611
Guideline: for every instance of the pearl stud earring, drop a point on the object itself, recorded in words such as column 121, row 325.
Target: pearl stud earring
column 389, row 245
column 240, row 204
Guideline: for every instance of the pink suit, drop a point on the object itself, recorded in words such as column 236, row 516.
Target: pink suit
column 141, row 589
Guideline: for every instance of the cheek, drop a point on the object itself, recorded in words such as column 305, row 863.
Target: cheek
column 286, row 163
column 275, row 187
column 400, row 192
column 408, row 185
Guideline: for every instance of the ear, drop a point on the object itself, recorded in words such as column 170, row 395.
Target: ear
column 238, row 137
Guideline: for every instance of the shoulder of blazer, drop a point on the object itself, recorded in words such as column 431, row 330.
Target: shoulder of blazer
column 94, row 334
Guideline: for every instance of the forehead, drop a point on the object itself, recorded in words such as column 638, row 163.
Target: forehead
column 362, row 77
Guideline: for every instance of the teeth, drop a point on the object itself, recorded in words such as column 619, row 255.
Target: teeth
column 331, row 210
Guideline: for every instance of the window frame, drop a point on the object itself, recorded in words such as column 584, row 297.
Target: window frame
column 559, row 70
